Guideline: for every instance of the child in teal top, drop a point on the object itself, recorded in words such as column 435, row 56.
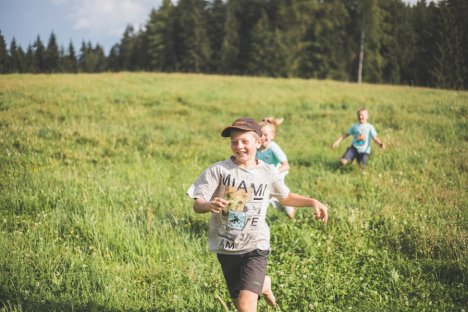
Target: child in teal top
column 271, row 153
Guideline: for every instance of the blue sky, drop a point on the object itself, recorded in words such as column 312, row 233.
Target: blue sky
column 97, row 21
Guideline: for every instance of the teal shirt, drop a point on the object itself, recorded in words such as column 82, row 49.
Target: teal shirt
column 272, row 155
column 362, row 135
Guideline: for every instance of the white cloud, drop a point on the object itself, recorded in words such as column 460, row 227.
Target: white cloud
column 107, row 17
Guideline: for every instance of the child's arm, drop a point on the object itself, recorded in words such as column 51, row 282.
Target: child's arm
column 296, row 200
column 216, row 205
column 380, row 143
column 341, row 138
column 284, row 166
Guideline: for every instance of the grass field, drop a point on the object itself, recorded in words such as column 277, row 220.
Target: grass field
column 94, row 216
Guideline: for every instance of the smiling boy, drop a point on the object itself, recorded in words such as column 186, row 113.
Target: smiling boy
column 237, row 192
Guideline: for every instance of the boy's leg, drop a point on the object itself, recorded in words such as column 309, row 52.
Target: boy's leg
column 267, row 292
column 245, row 277
column 349, row 155
column 362, row 159
column 247, row 301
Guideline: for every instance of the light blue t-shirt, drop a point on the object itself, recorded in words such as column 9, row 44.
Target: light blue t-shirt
column 362, row 135
column 272, row 155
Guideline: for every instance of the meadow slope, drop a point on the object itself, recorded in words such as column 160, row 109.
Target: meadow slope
column 94, row 216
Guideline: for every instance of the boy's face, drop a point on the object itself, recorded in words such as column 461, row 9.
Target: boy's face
column 267, row 135
column 362, row 116
column 244, row 145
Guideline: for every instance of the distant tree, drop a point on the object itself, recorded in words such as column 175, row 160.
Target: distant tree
column 368, row 34
column 260, row 60
column 193, row 42
column 17, row 58
column 230, row 48
column 127, row 48
column 4, row 58
column 399, row 42
column 39, row 55
column 422, row 21
column 13, row 62
column 113, row 60
column 52, row 56
column 327, row 46
column 70, row 59
column 216, row 32
column 160, row 38
column 100, row 59
column 30, row 60
column 449, row 70
column 92, row 59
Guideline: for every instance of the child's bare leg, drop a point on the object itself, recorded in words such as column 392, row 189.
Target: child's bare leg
column 267, row 293
column 247, row 301
column 343, row 161
column 290, row 211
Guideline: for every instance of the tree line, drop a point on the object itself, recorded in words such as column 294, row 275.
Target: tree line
column 375, row 41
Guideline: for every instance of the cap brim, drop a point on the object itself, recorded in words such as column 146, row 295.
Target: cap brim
column 227, row 131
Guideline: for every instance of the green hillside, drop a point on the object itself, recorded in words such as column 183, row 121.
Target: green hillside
column 94, row 216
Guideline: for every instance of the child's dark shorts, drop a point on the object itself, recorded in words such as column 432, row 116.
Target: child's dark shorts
column 352, row 153
column 244, row 272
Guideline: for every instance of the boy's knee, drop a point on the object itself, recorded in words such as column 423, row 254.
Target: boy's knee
column 344, row 161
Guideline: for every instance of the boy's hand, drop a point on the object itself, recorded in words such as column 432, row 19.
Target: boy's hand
column 335, row 145
column 382, row 145
column 321, row 211
column 217, row 204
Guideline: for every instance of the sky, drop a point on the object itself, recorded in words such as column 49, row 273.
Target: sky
column 95, row 21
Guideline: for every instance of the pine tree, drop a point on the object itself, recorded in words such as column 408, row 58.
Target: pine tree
column 398, row 45
column 39, row 56
column 30, row 60
column 113, row 60
column 369, row 22
column 71, row 62
column 216, row 33
column 17, row 58
column 193, row 42
column 262, row 48
column 3, row 55
column 52, row 55
column 13, row 62
column 100, row 59
column 127, row 47
column 422, row 18
column 449, row 71
column 160, row 38
column 230, row 54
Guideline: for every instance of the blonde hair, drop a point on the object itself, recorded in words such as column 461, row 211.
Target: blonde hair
column 271, row 121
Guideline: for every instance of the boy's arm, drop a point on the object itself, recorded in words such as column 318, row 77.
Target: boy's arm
column 215, row 206
column 341, row 138
column 380, row 143
column 296, row 200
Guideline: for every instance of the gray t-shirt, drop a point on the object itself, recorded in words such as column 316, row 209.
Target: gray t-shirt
column 242, row 226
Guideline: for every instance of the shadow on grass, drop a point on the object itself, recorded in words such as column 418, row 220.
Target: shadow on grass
column 47, row 305
column 336, row 167
column 197, row 228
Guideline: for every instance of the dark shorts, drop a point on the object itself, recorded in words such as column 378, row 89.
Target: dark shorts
column 352, row 153
column 244, row 272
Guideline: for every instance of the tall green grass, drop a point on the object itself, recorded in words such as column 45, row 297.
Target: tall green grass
column 94, row 216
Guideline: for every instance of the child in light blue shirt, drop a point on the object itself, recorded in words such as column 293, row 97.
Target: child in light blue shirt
column 362, row 133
